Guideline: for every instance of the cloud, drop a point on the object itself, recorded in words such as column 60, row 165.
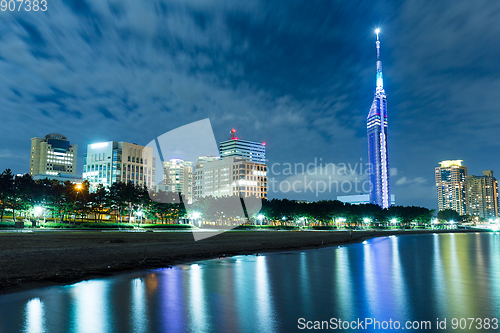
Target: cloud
column 298, row 76
column 406, row 181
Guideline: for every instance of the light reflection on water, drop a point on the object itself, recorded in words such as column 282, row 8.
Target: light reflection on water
column 413, row 277
column 34, row 316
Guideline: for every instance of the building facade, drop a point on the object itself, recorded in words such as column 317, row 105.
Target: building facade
column 234, row 147
column 360, row 199
column 231, row 176
column 451, row 184
column 201, row 160
column 52, row 156
column 482, row 195
column 378, row 150
column 110, row 162
column 178, row 177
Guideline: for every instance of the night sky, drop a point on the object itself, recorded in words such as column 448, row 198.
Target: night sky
column 299, row 75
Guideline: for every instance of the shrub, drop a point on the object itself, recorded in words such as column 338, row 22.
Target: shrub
column 106, row 225
column 167, row 226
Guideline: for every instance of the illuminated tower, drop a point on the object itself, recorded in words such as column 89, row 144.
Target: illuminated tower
column 378, row 153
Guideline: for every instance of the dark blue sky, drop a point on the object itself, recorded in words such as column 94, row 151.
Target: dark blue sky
column 299, row 75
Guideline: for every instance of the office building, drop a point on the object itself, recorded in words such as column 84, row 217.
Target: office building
column 482, row 195
column 231, row 176
column 109, row 162
column 200, row 161
column 378, row 150
column 451, row 184
column 178, row 178
column 360, row 199
column 235, row 147
column 53, row 156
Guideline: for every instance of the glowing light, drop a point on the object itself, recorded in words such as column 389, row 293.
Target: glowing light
column 263, row 143
column 394, row 221
column 260, row 217
column 99, row 145
column 377, row 31
column 196, row 215
column 139, row 213
column 38, row 210
column 78, row 187
column 450, row 163
column 366, row 220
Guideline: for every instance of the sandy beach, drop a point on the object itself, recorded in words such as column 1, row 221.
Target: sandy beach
column 42, row 258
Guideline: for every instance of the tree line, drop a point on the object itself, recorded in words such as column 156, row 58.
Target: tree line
column 66, row 202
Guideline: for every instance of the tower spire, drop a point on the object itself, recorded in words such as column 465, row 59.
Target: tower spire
column 378, row 152
column 380, row 80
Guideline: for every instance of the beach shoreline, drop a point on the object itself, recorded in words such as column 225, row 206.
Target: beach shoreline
column 31, row 260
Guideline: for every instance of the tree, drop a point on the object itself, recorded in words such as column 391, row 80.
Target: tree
column 6, row 191
column 98, row 201
column 448, row 215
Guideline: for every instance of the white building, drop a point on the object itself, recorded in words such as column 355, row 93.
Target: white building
column 231, row 176
column 178, row 177
column 109, row 162
column 235, row 147
column 52, row 156
column 360, row 199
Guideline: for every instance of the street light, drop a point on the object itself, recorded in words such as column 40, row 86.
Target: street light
column 38, row 210
column 260, row 217
column 195, row 216
column 394, row 221
column 366, row 220
column 140, row 213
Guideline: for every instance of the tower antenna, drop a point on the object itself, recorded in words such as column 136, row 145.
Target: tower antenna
column 233, row 134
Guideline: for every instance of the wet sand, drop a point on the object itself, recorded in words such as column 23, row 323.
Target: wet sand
column 43, row 258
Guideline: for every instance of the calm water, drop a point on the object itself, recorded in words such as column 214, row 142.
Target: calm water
column 419, row 277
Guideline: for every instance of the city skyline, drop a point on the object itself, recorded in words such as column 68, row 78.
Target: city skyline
column 307, row 100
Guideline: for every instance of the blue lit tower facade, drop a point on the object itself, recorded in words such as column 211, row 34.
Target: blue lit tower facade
column 378, row 152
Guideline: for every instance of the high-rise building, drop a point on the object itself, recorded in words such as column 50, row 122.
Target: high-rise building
column 109, row 162
column 178, row 177
column 451, row 184
column 52, row 156
column 200, row 161
column 482, row 195
column 378, row 150
column 231, row 176
column 360, row 199
column 235, row 147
